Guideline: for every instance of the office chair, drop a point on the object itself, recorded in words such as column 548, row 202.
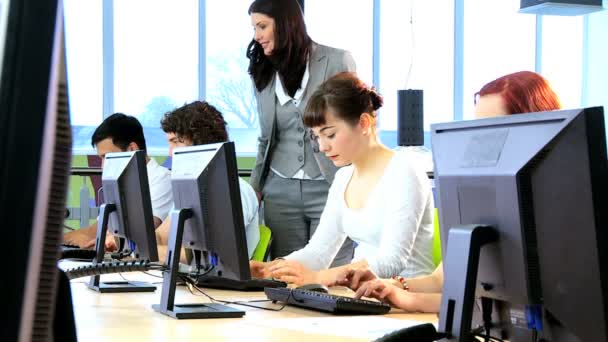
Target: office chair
column 436, row 249
column 262, row 250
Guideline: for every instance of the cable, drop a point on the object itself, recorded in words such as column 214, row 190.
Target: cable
column 99, row 196
column 191, row 285
column 152, row 275
column 205, row 272
column 486, row 312
column 409, row 72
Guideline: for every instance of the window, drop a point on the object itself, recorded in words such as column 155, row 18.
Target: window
column 229, row 87
column 562, row 57
column 427, row 47
column 155, row 60
column 344, row 24
column 497, row 41
column 83, row 28
column 596, row 74
column 158, row 59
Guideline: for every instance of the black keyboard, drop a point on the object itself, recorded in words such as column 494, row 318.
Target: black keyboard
column 75, row 252
column 326, row 302
column 255, row 284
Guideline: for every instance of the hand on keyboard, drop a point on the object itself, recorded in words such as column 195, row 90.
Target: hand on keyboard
column 380, row 290
column 259, row 269
column 326, row 302
column 292, row 272
column 353, row 278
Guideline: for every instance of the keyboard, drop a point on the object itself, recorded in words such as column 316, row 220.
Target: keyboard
column 255, row 284
column 75, row 252
column 326, row 302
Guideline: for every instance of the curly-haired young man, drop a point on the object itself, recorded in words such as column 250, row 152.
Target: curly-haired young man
column 199, row 123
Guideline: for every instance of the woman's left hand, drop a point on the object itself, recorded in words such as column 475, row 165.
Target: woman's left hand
column 292, row 272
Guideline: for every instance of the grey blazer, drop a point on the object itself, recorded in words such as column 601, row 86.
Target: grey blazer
column 324, row 62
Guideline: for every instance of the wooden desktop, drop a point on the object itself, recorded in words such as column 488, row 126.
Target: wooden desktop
column 130, row 317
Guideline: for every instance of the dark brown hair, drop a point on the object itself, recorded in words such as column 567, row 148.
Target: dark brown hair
column 291, row 49
column 123, row 129
column 347, row 95
column 198, row 122
column 523, row 92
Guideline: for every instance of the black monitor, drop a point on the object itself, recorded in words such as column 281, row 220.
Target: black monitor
column 127, row 214
column 522, row 197
column 35, row 148
column 207, row 220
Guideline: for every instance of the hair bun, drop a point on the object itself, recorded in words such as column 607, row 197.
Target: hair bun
column 376, row 99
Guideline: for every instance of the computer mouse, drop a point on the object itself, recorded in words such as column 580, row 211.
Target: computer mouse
column 314, row 287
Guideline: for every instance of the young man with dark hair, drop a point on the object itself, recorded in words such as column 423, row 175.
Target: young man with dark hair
column 200, row 123
column 122, row 133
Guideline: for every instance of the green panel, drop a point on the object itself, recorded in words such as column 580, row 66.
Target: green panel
column 160, row 159
column 76, row 182
column 245, row 162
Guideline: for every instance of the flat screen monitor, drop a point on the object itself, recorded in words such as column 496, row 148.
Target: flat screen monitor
column 35, row 151
column 205, row 179
column 125, row 184
column 208, row 222
column 539, row 181
column 127, row 214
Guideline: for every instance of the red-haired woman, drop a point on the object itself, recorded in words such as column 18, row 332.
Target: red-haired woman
column 520, row 92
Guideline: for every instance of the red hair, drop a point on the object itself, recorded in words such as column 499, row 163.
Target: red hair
column 523, row 92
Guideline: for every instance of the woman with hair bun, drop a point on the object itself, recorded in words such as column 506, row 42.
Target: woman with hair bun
column 516, row 93
column 378, row 198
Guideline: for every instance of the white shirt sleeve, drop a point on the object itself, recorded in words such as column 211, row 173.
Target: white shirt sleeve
column 161, row 196
column 329, row 236
column 406, row 201
column 249, row 201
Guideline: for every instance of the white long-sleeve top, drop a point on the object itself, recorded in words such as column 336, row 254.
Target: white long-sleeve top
column 393, row 231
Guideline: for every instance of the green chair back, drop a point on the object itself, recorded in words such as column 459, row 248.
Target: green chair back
column 436, row 251
column 262, row 250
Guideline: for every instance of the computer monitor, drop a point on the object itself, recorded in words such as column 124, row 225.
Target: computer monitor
column 208, row 220
column 205, row 179
column 539, row 181
column 127, row 214
column 35, row 147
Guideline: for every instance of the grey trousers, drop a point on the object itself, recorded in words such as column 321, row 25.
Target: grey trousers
column 292, row 209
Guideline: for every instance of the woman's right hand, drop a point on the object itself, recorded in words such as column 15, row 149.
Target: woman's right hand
column 382, row 291
column 259, row 196
column 354, row 278
column 259, row 269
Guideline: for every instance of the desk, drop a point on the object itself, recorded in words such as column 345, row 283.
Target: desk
column 130, row 317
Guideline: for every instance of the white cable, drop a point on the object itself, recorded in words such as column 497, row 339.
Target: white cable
column 409, row 72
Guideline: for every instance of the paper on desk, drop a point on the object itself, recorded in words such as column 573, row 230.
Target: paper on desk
column 364, row 327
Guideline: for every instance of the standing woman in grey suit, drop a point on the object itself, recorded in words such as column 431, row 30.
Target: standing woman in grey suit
column 290, row 175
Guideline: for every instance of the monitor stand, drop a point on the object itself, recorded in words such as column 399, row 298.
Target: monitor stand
column 167, row 304
column 460, row 266
column 100, row 244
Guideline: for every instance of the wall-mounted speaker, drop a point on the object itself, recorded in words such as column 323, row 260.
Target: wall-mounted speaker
column 410, row 123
